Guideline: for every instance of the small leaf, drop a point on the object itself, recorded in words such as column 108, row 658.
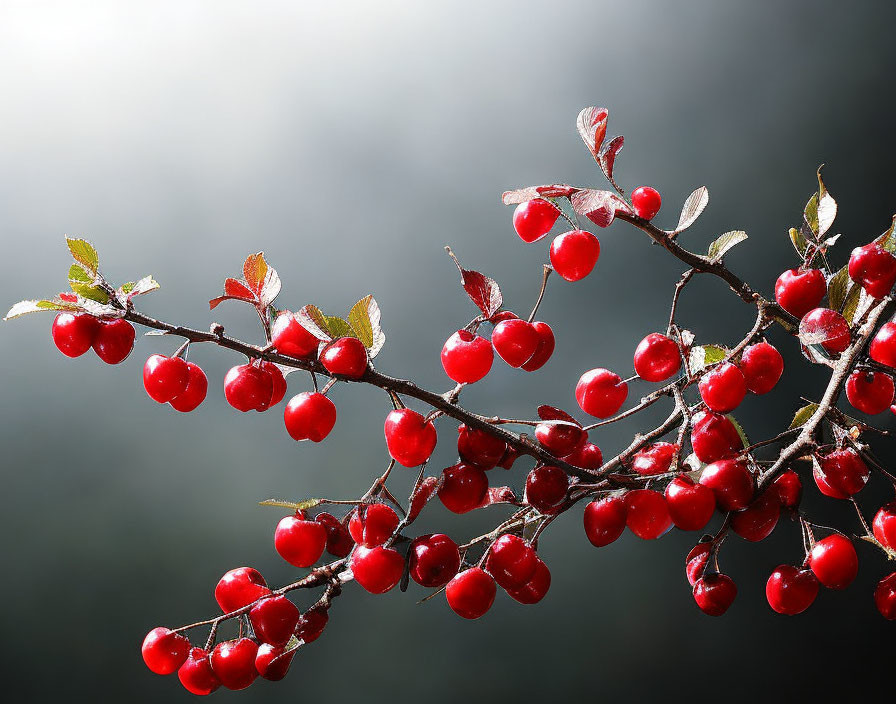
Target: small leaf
column 592, row 126
column 255, row 269
column 799, row 242
column 521, row 195
column 314, row 321
column 740, row 431
column 82, row 283
column 482, row 290
column 598, row 206
column 838, row 285
column 294, row 505
column 144, row 285
column 337, row 327
column 83, row 253
column 725, row 242
column 810, row 214
column 25, row 307
column 270, row 288
column 546, row 412
column 888, row 239
column 826, row 207
column 803, row 415
column 364, row 318
column 693, row 207
column 608, row 154
column 234, row 290
column 703, row 356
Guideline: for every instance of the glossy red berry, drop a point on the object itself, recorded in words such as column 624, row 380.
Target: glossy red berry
column 233, row 662
column 248, row 387
column 114, row 340
column 467, row 357
column 543, row 350
column 471, row 593
column 695, row 562
column 479, row 447
column 377, row 569
column 834, row 561
column 690, row 505
column 588, row 456
column 757, row 521
column 574, row 254
column 345, row 356
column 791, row 590
column 884, row 525
column 463, row 487
column 883, row 346
column 646, row 201
column 841, row 473
column 535, row 589
column 546, row 488
column 273, row 661
column 515, row 341
column 605, row 520
column 723, row 387
column 240, row 587
column 657, row 358
column 73, row 333
column 434, row 560
column 601, row 393
column 827, row 328
column 885, row 597
column 300, row 541
column 372, row 524
column 654, row 459
column 196, row 674
column 274, row 619
column 870, row 392
column 731, row 482
column 511, row 561
column 799, row 291
column 789, row 488
column 762, row 366
column 278, row 385
column 714, row 437
column 409, row 440
column 339, row 540
column 197, row 387
column 309, row 416
column 647, row 515
column 560, row 437
column 290, row 338
column 874, row 268
column 311, row 624
column 714, row 593
column 534, row 218
column 164, row 651
column 165, row 378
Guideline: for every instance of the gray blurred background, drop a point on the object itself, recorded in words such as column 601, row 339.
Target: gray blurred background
column 350, row 142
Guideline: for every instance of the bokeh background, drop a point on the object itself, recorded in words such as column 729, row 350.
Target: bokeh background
column 351, row 141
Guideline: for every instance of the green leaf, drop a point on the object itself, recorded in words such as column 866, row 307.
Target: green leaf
column 84, row 253
column 725, row 242
column 314, row 321
column 810, row 213
column 144, row 285
column 838, row 286
column 803, row 415
column 693, row 206
column 337, row 327
column 26, row 307
column 740, row 431
column 364, row 318
column 799, row 242
column 294, row 505
column 888, row 239
column 703, row 356
column 851, row 304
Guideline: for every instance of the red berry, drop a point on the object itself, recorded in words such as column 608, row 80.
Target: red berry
column 834, row 561
column 463, row 487
column 240, row 587
column 574, row 254
column 799, row 291
column 825, row 327
column 560, row 437
column 377, row 569
column 345, row 356
column 695, row 562
column 654, row 459
column 339, row 541
column 546, row 488
column 274, row 619
column 657, row 357
column 164, row 651
column 511, row 561
column 272, row 661
column 714, row 437
column 197, row 387
column 511, row 455
column 299, row 541
column 884, row 525
column 309, row 416
column 870, row 392
column 841, row 473
column 757, row 521
column 534, row 590
column 789, row 489
column 290, row 338
column 605, row 520
column 874, row 268
column 311, row 624
column 714, row 593
column 723, row 388
column 114, row 340
column 646, row 201
column 233, row 662
column 791, row 590
column 534, row 218
column 479, row 447
column 731, row 482
column 762, row 366
column 471, row 593
column 690, row 505
column 73, row 333
column 372, row 524
column 409, row 440
column 248, row 387
column 515, row 341
column 885, row 597
column 588, row 456
column 196, row 674
column 165, row 378
column 647, row 515
column 466, row 357
column 544, row 350
column 601, row 393
column 278, row 385
column 883, row 346
column 434, row 560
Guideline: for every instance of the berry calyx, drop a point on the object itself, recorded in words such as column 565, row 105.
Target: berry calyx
column 691, row 505
column 714, row 593
column 791, row 590
column 657, row 358
column 800, row 290
column 874, row 268
column 345, row 356
column 762, row 366
column 883, row 346
column 409, row 440
column 164, row 651
column 471, row 593
column 560, row 437
column 731, row 482
column 601, row 393
column 647, row 514
column 605, row 520
column 240, row 587
column 789, row 488
column 885, row 597
column 73, row 333
column 434, row 560
column 165, row 378
column 377, row 569
column 289, row 337
column 535, row 589
column 309, row 416
column 511, row 561
column 372, row 524
column 467, row 357
column 300, row 541
column 546, row 488
column 233, row 662
column 870, row 392
column 273, row 661
column 515, row 341
column 114, row 340
column 464, row 487
column 714, row 437
column 757, row 521
column 646, row 201
column 534, row 218
column 196, row 674
column 274, row 619
column 825, row 327
column 834, row 562
column 339, row 540
column 248, row 387
column 543, row 350
column 884, row 526
column 574, row 254
column 655, row 459
column 479, row 447
column 197, row 387
column 840, row 473
column 723, row 387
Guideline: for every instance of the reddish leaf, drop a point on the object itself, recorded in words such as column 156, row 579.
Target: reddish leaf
column 592, row 126
column 420, row 498
column 521, row 195
column 482, row 290
column 255, row 269
column 237, row 289
column 598, row 206
column 553, row 413
column 608, row 155
column 499, row 495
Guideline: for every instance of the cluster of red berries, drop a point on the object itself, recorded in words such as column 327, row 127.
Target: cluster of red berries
column 75, row 333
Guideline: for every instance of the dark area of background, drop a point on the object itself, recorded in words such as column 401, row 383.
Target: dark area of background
column 350, row 142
